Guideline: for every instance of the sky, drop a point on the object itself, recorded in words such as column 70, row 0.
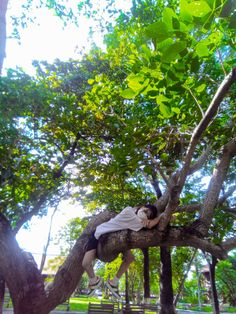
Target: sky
column 46, row 40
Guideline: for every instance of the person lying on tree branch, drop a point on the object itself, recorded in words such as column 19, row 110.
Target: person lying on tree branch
column 133, row 218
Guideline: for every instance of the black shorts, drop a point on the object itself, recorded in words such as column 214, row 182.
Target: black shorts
column 92, row 243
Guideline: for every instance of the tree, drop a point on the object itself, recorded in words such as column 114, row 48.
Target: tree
column 106, row 122
column 225, row 274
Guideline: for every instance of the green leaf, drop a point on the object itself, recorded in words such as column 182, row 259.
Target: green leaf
column 128, row 93
column 158, row 31
column 169, row 18
column 165, row 44
column 202, row 50
column 165, row 111
column 201, row 88
column 146, row 51
column 195, row 8
column 199, row 8
column 161, row 146
column 172, row 52
column 175, row 110
column 90, row 81
column 161, row 98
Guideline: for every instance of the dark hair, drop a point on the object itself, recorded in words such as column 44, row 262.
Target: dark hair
column 153, row 210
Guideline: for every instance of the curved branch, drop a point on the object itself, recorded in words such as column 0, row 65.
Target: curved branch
column 58, row 173
column 158, row 168
column 229, row 244
column 227, row 194
column 218, row 177
column 201, row 127
column 231, row 210
column 197, row 207
column 200, row 162
column 112, row 244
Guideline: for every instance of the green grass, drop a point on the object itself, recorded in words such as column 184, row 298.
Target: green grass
column 81, row 304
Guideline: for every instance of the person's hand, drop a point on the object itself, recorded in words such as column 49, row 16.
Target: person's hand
column 145, row 222
column 149, row 224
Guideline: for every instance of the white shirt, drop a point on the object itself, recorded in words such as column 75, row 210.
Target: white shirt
column 126, row 219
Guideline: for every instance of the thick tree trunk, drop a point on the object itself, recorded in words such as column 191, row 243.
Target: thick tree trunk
column 23, row 279
column 166, row 295
column 127, row 296
column 2, row 292
column 215, row 301
column 3, row 33
column 146, row 277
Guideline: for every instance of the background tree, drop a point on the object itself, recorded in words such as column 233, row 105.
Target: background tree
column 225, row 273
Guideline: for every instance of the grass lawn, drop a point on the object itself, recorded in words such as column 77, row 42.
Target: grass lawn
column 81, row 304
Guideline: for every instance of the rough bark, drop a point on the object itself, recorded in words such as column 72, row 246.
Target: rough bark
column 214, row 295
column 111, row 245
column 3, row 32
column 216, row 182
column 24, row 280
column 20, row 272
column 2, row 292
column 146, row 284
column 229, row 244
column 127, row 297
column 166, row 293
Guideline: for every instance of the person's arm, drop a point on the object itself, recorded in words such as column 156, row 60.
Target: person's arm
column 152, row 223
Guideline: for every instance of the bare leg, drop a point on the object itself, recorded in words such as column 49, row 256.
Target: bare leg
column 128, row 259
column 112, row 285
column 87, row 263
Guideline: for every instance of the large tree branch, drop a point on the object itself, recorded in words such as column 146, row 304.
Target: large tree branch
column 216, row 182
column 200, row 162
column 227, row 194
column 231, row 210
column 70, row 273
column 229, row 244
column 201, row 127
column 28, row 215
column 112, row 244
column 197, row 207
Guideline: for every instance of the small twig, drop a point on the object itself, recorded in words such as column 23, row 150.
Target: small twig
column 221, row 62
column 158, row 168
column 200, row 108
